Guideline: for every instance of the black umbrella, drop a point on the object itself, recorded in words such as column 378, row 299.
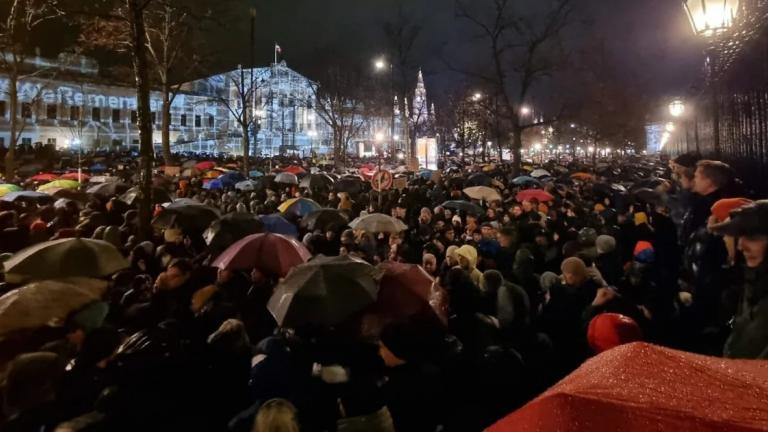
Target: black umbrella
column 316, row 181
column 651, row 183
column 108, row 190
column 325, row 291
column 265, row 182
column 159, row 196
column 478, row 180
column 229, row 229
column 464, row 206
column 325, row 218
column 647, row 196
column 350, row 185
column 187, row 215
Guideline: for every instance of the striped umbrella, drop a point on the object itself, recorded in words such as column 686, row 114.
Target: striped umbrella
column 299, row 207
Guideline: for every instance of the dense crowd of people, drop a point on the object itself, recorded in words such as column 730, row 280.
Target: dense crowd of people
column 527, row 287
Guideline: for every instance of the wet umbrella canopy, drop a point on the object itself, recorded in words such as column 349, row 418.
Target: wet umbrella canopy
column 270, row 253
column 324, row 291
column 64, row 258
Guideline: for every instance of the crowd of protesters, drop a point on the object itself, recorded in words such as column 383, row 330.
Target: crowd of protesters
column 529, row 290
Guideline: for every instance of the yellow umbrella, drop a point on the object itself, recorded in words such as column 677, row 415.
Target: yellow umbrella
column 61, row 184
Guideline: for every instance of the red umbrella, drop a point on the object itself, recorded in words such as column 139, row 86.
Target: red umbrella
column 82, row 178
column 642, row 388
column 205, row 165
column 538, row 194
column 295, row 170
column 405, row 290
column 47, row 177
column 273, row 253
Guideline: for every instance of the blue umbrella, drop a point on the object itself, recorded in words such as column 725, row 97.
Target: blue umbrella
column 519, row 181
column 425, row 174
column 276, row 224
column 98, row 168
column 26, row 195
column 214, row 185
column 255, row 173
column 230, row 179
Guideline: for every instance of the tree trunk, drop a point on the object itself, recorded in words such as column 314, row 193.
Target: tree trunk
column 166, row 126
column 517, row 149
column 146, row 149
column 10, row 157
column 246, row 143
column 338, row 150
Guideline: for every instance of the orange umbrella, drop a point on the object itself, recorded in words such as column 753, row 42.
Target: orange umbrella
column 582, row 176
column 640, row 387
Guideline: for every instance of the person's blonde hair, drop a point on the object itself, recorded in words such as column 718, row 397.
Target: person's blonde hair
column 276, row 415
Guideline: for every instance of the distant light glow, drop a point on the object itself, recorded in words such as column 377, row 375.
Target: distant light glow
column 524, row 110
column 677, row 108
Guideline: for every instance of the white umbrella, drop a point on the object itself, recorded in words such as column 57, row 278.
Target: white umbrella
column 247, row 185
column 378, row 223
column 540, row 173
column 286, row 178
column 483, row 193
column 104, row 179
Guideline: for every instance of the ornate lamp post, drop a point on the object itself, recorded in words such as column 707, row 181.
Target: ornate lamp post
column 711, row 19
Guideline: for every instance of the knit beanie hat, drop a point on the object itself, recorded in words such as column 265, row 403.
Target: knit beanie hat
column 609, row 330
column 644, row 252
column 722, row 209
column 605, row 244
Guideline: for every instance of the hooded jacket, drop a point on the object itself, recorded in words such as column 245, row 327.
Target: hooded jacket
column 470, row 254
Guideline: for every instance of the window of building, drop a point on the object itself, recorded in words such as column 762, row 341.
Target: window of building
column 2, row 108
column 117, row 142
column 115, row 116
column 2, row 142
column 211, row 121
column 51, row 141
column 134, row 117
column 26, row 110
column 26, row 141
column 154, row 117
column 198, row 121
column 74, row 113
column 96, row 114
column 183, row 120
column 135, row 141
column 51, row 111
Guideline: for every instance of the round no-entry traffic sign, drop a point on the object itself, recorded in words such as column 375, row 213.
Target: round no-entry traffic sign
column 382, row 180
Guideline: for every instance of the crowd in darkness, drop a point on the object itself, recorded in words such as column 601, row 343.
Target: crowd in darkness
column 528, row 289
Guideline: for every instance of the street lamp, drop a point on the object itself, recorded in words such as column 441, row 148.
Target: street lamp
column 524, row 110
column 477, row 96
column 711, row 17
column 381, row 64
column 676, row 108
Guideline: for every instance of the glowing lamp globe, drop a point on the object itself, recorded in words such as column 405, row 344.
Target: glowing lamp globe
column 711, row 17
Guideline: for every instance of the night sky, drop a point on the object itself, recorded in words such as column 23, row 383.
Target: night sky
column 650, row 40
